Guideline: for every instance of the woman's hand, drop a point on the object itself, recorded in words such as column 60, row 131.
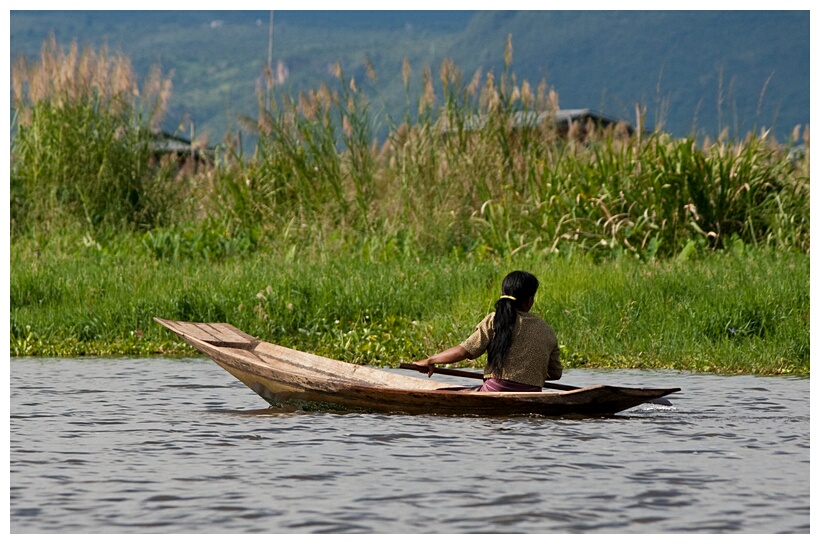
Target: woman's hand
column 429, row 364
column 454, row 354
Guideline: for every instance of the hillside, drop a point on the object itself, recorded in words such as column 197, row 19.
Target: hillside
column 701, row 70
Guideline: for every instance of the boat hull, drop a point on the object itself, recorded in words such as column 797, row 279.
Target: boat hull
column 285, row 376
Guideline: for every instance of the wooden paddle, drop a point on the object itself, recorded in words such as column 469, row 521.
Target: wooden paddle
column 480, row 375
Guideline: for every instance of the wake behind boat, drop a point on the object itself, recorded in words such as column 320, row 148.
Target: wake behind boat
column 282, row 375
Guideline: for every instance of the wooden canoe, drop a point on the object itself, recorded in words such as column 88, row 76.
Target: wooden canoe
column 284, row 376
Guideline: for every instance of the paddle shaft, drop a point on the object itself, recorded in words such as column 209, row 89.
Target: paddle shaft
column 480, row 375
column 477, row 375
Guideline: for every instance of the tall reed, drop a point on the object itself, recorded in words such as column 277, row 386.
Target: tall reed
column 81, row 147
column 474, row 172
column 478, row 166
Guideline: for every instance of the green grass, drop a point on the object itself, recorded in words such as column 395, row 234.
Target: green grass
column 652, row 251
column 732, row 311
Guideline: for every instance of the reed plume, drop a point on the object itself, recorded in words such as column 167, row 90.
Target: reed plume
column 81, row 150
column 469, row 170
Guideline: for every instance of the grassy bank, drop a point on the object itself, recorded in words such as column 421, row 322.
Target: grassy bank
column 734, row 311
column 653, row 251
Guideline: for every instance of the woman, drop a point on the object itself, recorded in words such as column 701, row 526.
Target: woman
column 522, row 350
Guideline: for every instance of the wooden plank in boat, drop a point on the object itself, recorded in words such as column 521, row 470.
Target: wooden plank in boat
column 221, row 335
column 228, row 336
column 333, row 369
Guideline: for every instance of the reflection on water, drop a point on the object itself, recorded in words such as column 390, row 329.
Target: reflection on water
column 179, row 446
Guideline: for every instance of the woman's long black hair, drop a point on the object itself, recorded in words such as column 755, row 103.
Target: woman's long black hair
column 520, row 286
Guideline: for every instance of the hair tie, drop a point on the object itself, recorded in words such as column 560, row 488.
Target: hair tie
column 509, row 297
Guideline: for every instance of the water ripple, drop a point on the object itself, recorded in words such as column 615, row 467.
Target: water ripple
column 178, row 446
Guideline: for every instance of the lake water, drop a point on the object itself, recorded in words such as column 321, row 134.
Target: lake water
column 180, row 446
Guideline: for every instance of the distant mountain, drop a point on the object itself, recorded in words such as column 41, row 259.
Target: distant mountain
column 611, row 60
column 693, row 70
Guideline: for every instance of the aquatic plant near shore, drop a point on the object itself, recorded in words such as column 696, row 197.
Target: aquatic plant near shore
column 738, row 310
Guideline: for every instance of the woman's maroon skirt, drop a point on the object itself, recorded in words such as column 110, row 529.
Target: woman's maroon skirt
column 493, row 385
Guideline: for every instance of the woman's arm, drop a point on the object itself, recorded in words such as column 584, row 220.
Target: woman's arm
column 448, row 356
column 555, row 369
